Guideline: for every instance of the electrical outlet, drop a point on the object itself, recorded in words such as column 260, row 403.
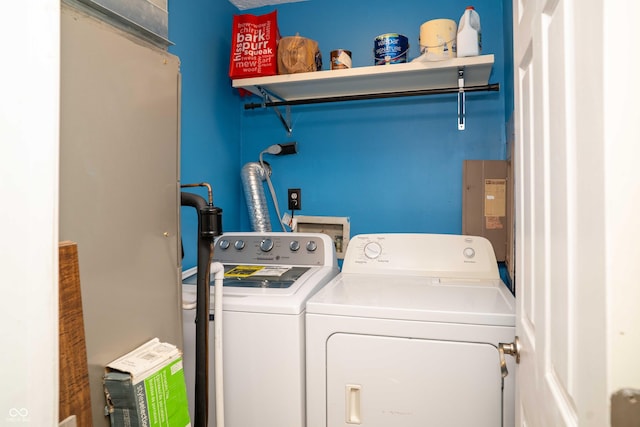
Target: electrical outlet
column 295, row 199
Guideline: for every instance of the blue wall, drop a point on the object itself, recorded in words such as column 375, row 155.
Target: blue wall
column 391, row 165
column 508, row 63
column 388, row 165
column 210, row 122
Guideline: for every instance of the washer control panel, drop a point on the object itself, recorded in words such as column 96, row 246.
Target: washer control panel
column 434, row 255
column 275, row 248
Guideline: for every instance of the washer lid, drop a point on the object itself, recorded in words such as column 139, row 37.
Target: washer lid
column 289, row 298
column 416, row 298
column 256, row 276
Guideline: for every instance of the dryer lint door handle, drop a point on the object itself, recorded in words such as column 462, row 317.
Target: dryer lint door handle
column 352, row 397
column 513, row 349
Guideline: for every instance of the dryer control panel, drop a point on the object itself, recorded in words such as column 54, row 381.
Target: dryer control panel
column 432, row 255
column 275, row 248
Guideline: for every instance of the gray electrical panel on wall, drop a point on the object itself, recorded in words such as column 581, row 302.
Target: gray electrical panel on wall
column 119, row 189
column 485, row 203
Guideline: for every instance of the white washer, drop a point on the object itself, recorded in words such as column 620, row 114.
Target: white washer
column 407, row 335
column 268, row 279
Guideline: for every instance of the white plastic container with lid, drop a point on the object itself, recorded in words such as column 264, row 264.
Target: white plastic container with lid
column 469, row 34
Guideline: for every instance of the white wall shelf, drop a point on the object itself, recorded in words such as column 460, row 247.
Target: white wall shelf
column 457, row 75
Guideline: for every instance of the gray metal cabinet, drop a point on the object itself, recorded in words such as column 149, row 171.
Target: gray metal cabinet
column 119, row 188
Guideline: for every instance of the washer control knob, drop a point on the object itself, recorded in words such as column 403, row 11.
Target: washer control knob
column 224, row 244
column 312, row 245
column 372, row 250
column 239, row 244
column 266, row 245
column 469, row 252
column 294, row 245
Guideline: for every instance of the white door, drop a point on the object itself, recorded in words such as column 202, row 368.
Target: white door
column 577, row 199
column 29, row 115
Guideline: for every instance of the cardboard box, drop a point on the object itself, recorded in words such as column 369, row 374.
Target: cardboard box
column 146, row 388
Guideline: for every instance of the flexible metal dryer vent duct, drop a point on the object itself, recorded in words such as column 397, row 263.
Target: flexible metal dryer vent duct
column 253, row 174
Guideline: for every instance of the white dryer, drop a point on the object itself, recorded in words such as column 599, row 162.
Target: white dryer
column 408, row 335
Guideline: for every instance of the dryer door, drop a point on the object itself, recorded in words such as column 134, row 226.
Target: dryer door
column 379, row 381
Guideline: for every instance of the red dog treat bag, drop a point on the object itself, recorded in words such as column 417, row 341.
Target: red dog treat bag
column 254, row 46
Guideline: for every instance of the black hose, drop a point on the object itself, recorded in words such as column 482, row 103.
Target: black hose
column 209, row 226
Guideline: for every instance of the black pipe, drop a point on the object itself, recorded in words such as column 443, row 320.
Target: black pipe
column 493, row 87
column 209, row 226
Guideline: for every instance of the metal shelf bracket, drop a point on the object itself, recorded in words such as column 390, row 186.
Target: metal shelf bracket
column 461, row 99
column 286, row 121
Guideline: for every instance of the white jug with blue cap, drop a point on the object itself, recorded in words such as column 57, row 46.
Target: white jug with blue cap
column 469, row 39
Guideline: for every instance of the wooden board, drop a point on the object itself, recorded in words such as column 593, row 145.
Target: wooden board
column 74, row 376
